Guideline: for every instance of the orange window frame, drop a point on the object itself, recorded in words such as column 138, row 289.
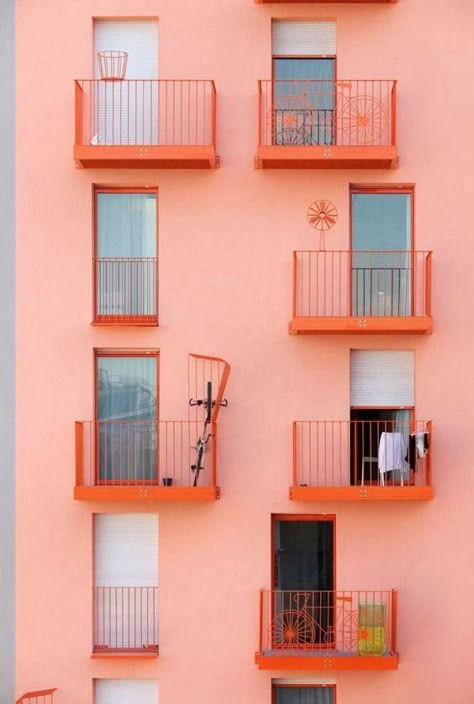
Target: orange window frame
column 309, row 685
column 305, row 56
column 316, row 518
column 302, row 517
column 97, row 190
column 386, row 189
column 98, row 353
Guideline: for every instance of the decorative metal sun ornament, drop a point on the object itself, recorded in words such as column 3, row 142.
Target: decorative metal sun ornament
column 322, row 216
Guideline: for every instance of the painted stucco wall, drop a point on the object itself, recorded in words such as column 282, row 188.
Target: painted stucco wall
column 226, row 240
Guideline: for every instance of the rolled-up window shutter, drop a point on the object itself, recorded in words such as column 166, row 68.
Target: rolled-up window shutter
column 382, row 378
column 126, row 691
column 139, row 38
column 298, row 38
column 126, row 550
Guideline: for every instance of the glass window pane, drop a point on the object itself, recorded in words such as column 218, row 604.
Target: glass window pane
column 381, row 221
column 126, row 388
column 126, row 225
column 304, row 101
column 382, row 266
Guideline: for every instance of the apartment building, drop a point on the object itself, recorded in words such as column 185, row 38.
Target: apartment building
column 243, row 362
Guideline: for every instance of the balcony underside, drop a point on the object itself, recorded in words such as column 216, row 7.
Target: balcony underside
column 147, row 493
column 317, row 663
column 361, row 493
column 421, row 325
column 146, row 157
column 329, row 157
column 151, row 652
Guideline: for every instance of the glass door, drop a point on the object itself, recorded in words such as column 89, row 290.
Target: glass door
column 127, row 413
column 303, row 112
column 126, row 244
column 382, row 258
column 303, row 582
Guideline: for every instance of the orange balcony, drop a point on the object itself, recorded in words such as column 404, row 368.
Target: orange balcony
column 40, row 696
column 119, row 460
column 129, row 459
column 361, row 292
column 327, row 630
column 145, row 124
column 125, row 621
column 126, row 291
column 323, row 124
column 357, row 460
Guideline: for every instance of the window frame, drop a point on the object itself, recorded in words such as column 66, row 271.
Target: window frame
column 98, row 189
column 306, row 685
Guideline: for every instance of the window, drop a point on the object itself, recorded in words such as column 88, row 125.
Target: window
column 126, row 692
column 126, row 414
column 382, row 406
column 126, row 111
column 304, row 71
column 382, row 245
column 126, row 282
column 303, row 694
column 126, row 582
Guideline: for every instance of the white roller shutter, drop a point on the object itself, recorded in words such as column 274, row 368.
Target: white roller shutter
column 139, row 38
column 310, row 38
column 126, row 550
column 382, row 378
column 126, row 692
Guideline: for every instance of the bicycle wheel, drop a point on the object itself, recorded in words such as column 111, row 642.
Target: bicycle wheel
column 292, row 628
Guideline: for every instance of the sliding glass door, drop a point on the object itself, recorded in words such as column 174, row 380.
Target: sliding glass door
column 382, row 259
column 127, row 414
column 304, row 99
column 126, row 251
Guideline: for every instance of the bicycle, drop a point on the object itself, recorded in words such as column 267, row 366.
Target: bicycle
column 298, row 628
column 205, row 436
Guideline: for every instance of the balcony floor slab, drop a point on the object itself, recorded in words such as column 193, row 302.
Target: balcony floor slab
column 308, row 661
column 146, row 493
column 327, row 157
column 352, row 325
column 361, row 493
column 146, row 157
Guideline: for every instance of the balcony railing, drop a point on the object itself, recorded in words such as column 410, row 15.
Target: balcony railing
column 125, row 620
column 145, row 459
column 41, row 696
column 321, row 630
column 126, row 291
column 361, row 291
column 144, row 123
column 327, row 124
column 362, row 459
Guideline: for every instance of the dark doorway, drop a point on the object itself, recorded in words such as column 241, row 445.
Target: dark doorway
column 303, row 581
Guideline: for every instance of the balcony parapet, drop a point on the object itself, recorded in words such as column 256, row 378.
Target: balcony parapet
column 125, row 621
column 145, row 124
column 327, row 630
column 326, row 124
column 357, row 460
column 144, row 459
column 361, row 292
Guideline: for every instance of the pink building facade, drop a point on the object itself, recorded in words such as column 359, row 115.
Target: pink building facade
column 263, row 208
